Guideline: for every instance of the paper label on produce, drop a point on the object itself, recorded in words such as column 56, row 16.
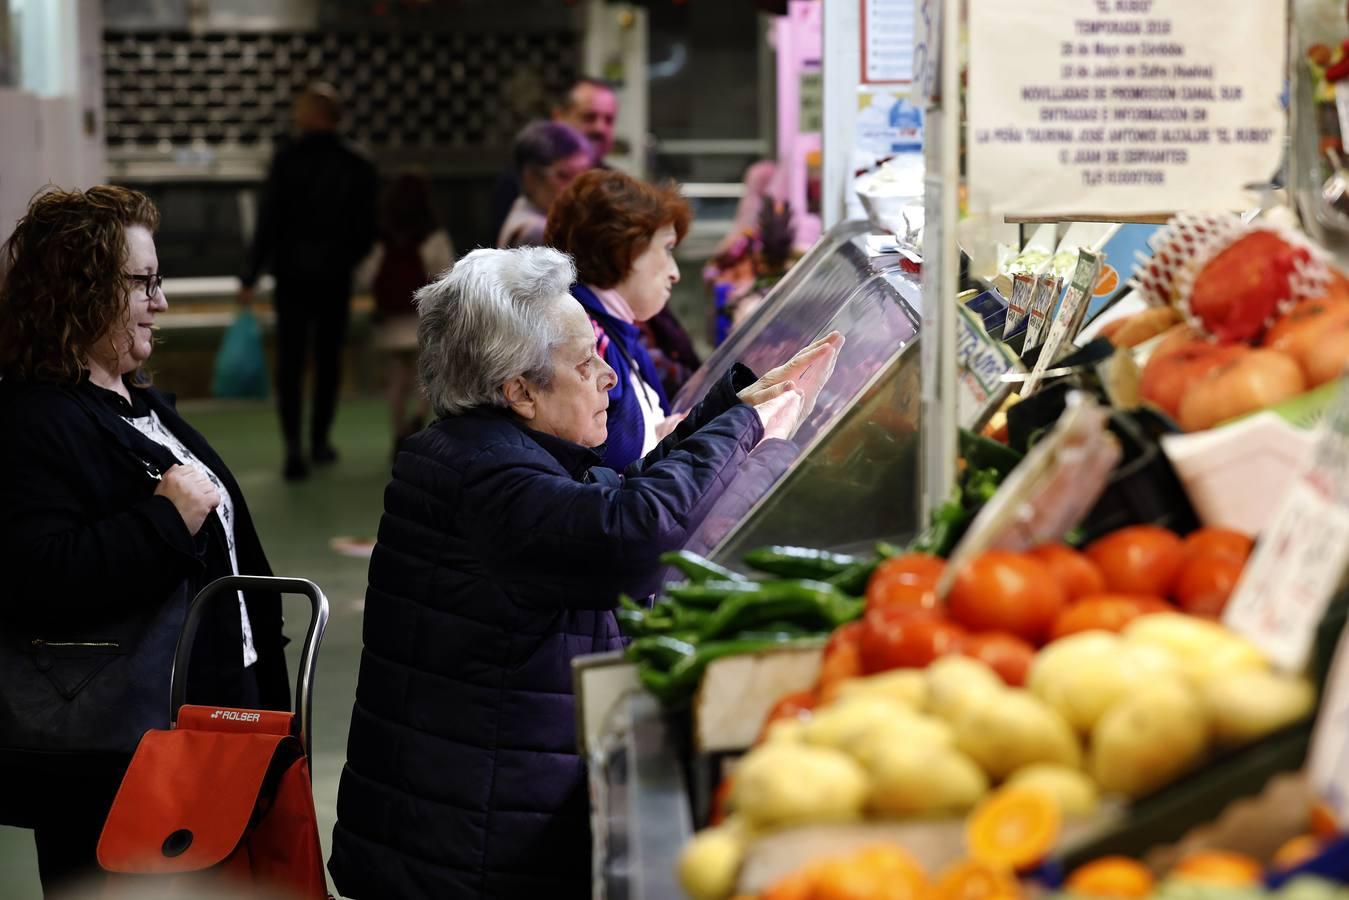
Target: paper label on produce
column 1302, row 556
column 1069, row 318
column 1328, row 762
column 982, row 362
column 1047, row 289
column 1023, row 287
column 1123, row 107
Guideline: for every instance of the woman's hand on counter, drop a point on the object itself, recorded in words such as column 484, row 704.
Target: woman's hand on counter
column 807, row 372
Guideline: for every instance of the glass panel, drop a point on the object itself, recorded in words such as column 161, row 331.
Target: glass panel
column 857, row 484
column 823, row 277
column 855, row 478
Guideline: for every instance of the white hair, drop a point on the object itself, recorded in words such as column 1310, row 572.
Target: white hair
column 491, row 318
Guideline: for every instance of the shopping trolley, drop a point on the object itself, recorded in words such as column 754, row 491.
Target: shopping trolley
column 224, row 795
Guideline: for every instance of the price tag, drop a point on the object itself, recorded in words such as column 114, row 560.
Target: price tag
column 1328, row 765
column 1302, row 556
column 982, row 361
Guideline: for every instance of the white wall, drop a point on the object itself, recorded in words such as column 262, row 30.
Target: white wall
column 51, row 127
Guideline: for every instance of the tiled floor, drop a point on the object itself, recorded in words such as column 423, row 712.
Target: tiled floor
column 296, row 522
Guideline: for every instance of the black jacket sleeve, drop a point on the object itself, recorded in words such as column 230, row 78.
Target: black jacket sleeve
column 270, row 205
column 614, row 535
column 722, row 396
column 56, row 551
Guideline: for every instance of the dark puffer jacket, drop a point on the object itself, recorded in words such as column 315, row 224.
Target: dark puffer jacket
column 500, row 558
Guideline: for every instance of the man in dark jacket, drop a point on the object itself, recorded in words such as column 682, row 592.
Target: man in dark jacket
column 316, row 223
column 501, row 555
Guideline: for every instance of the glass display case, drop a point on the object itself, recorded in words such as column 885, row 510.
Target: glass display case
column 854, row 477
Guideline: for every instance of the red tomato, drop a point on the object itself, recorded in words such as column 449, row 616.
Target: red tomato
column 1002, row 591
column 1102, row 612
column 1140, row 559
column 1205, row 583
column 1218, row 542
column 900, row 638
column 791, row 706
column 1075, row 573
column 908, row 580
column 842, row 661
column 1006, row 654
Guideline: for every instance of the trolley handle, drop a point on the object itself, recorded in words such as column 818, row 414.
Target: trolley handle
column 304, row 679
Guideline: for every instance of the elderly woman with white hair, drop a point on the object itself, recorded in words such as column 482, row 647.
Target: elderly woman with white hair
column 501, row 556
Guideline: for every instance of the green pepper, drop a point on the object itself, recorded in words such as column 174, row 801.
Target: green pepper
column 811, row 603
column 711, row 594
column 853, row 580
column 631, row 622
column 697, row 570
column 948, row 521
column 662, row 651
column 659, row 684
column 689, row 619
column 799, row 562
column 979, row 487
column 984, row 453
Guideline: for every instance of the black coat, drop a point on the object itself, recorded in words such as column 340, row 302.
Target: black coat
column 89, row 552
column 316, row 218
column 501, row 556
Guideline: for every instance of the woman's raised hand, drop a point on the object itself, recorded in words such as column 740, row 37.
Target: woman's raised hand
column 781, row 413
column 191, row 493
column 807, row 371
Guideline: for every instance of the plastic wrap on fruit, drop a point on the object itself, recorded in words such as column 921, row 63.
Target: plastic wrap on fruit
column 1230, row 278
column 1244, row 285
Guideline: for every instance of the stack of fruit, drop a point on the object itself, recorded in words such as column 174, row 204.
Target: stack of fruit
column 918, row 713
column 1264, row 319
column 1003, row 606
column 1011, row 828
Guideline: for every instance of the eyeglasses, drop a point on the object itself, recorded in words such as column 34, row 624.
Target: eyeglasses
column 152, row 283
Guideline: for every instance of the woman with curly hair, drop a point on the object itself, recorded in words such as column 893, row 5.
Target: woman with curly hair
column 113, row 513
column 622, row 234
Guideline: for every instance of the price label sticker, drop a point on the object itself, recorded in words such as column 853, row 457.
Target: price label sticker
column 1302, row 556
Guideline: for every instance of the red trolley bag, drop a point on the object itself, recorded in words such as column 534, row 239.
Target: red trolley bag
column 224, row 795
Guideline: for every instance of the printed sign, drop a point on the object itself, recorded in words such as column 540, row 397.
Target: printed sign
column 1123, row 107
column 887, row 41
column 1302, row 557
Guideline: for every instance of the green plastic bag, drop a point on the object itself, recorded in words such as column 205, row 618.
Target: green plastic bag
column 240, row 367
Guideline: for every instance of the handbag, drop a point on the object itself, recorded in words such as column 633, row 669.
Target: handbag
column 240, row 366
column 95, row 692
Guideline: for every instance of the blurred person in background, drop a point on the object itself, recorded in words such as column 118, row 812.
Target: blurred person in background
column 548, row 157
column 502, row 553
column 114, row 512
column 413, row 250
column 315, row 224
column 591, row 107
column 622, row 233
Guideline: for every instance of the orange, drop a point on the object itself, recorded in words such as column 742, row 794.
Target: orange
column 970, row 879
column 1297, row 851
column 1219, row 867
column 1111, row 876
column 1014, row 828
column 884, row 872
column 1323, row 822
column 1106, row 282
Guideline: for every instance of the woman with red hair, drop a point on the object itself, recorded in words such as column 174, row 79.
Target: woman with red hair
column 622, row 234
